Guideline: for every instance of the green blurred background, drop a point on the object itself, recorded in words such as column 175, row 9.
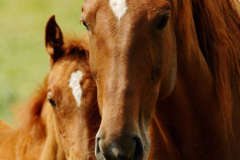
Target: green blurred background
column 23, row 58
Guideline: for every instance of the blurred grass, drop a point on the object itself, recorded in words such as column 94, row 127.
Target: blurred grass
column 23, row 59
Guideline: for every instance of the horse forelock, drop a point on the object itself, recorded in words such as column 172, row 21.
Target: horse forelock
column 215, row 28
column 74, row 42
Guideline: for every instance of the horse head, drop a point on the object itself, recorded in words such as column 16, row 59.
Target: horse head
column 133, row 59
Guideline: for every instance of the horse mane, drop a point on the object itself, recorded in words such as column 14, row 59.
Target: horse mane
column 74, row 42
column 214, row 26
column 29, row 116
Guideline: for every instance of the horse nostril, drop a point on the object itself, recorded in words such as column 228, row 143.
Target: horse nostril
column 97, row 145
column 139, row 153
column 98, row 153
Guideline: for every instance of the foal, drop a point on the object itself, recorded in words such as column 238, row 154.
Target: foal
column 64, row 128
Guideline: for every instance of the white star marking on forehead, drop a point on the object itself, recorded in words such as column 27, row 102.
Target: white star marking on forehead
column 74, row 83
column 119, row 8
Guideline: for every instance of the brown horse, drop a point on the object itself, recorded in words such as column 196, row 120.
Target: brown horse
column 66, row 127
column 169, row 71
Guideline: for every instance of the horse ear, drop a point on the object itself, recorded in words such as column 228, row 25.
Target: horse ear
column 53, row 38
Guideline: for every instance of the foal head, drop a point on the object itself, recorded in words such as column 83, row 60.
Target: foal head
column 71, row 93
column 133, row 59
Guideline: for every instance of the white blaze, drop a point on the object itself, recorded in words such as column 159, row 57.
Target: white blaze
column 74, row 83
column 119, row 8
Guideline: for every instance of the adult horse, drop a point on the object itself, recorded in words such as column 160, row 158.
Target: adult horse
column 65, row 128
column 168, row 70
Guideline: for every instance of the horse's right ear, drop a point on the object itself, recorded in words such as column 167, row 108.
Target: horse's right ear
column 53, row 38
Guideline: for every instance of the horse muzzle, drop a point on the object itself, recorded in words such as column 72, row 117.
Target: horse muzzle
column 125, row 147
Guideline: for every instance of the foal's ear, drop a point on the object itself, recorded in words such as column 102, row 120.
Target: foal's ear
column 53, row 38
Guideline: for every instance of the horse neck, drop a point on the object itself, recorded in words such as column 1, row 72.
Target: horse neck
column 36, row 125
column 192, row 122
column 32, row 137
column 24, row 142
column 8, row 139
column 189, row 122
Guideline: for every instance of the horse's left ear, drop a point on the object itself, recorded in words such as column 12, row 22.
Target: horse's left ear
column 53, row 39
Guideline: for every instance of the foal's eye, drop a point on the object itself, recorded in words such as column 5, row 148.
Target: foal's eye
column 163, row 22
column 51, row 101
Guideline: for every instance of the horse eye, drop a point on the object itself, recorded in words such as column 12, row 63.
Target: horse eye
column 163, row 22
column 51, row 101
column 85, row 24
